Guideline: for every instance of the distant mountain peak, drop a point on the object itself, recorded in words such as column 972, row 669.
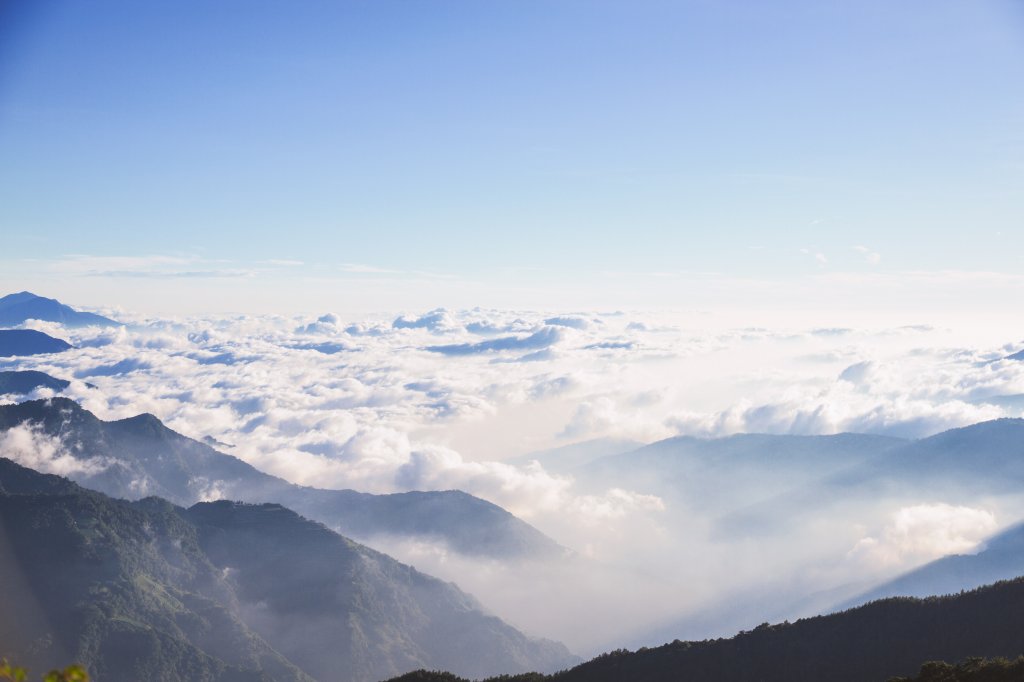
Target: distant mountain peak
column 16, row 308
column 26, row 381
column 19, row 342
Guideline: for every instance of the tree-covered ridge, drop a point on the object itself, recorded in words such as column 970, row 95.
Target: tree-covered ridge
column 876, row 641
column 72, row 673
column 124, row 590
column 223, row 592
column 974, row 669
column 141, row 456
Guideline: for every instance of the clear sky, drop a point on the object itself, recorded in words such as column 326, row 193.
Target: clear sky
column 378, row 145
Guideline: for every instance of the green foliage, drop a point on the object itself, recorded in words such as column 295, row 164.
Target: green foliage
column 149, row 591
column 7, row 672
column 72, row 673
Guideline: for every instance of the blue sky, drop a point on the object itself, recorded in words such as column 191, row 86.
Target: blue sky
column 476, row 139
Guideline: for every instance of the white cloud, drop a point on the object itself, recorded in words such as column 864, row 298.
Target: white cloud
column 363, row 269
column 31, row 448
column 820, row 258
column 870, row 257
column 920, row 533
column 387, row 415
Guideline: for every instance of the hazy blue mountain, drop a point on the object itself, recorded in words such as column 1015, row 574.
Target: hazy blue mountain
column 1012, row 401
column 568, row 458
column 1019, row 355
column 225, row 591
column 984, row 457
column 722, row 473
column 22, row 382
column 761, row 484
column 874, row 642
column 343, row 601
column 147, row 458
column 1001, row 559
column 15, row 342
column 17, row 308
column 954, row 466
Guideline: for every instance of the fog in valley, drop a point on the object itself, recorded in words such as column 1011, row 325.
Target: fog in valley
column 706, row 532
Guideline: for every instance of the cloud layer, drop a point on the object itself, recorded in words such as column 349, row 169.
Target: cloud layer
column 449, row 399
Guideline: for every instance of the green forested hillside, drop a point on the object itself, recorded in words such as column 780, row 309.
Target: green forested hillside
column 222, row 592
column 141, row 456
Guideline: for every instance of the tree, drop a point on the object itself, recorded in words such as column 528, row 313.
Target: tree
column 72, row 673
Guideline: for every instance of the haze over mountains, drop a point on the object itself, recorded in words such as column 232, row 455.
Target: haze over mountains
column 439, row 340
column 583, row 535
column 138, row 457
column 225, row 591
column 874, row 642
column 1000, row 557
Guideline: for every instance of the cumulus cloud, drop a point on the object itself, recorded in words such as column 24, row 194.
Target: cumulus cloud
column 922, row 532
column 548, row 336
column 818, row 256
column 439, row 320
column 325, row 324
column 490, row 327
column 120, row 367
column 32, row 448
column 870, row 257
column 325, row 347
column 571, row 321
column 335, row 402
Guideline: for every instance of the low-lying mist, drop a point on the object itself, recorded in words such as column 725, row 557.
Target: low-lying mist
column 693, row 537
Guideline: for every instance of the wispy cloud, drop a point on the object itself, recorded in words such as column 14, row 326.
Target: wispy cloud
column 156, row 266
column 871, row 257
column 363, row 269
column 173, row 274
column 818, row 256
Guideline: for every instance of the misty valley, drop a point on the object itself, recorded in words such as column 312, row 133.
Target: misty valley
column 277, row 520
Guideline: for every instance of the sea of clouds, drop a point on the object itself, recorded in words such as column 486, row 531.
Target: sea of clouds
column 448, row 399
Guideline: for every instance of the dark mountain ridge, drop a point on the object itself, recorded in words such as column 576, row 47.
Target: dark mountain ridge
column 873, row 642
column 147, row 458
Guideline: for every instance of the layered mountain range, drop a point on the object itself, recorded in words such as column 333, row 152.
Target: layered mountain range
column 136, row 457
column 877, row 641
column 176, row 561
column 225, row 591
